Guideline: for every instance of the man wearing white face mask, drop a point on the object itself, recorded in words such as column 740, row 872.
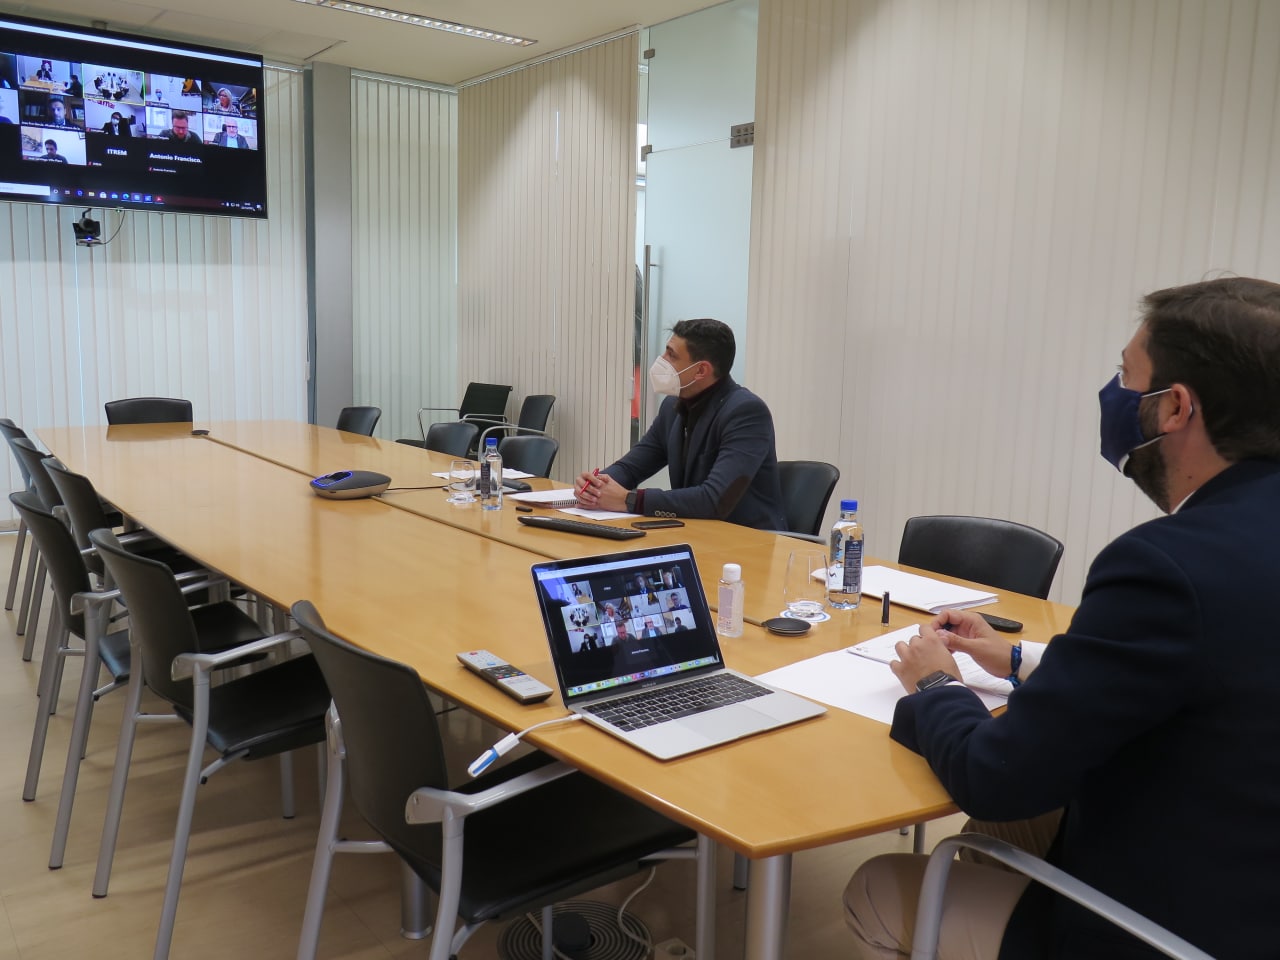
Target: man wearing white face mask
column 714, row 436
column 1152, row 720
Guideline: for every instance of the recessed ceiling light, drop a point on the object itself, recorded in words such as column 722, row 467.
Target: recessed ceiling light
column 413, row 19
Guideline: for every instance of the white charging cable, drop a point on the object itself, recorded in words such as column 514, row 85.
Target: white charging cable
column 508, row 743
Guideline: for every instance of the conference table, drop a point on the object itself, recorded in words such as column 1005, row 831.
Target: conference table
column 416, row 579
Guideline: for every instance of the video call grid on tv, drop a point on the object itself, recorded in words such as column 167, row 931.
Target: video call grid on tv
column 601, row 612
column 69, row 110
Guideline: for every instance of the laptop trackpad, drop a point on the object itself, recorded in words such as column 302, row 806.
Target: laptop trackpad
column 728, row 723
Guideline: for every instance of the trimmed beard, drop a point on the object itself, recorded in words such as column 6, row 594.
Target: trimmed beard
column 1147, row 467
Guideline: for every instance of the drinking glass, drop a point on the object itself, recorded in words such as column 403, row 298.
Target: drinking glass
column 806, row 584
column 462, row 481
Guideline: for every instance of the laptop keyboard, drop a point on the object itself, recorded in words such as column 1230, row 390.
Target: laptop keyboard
column 657, row 706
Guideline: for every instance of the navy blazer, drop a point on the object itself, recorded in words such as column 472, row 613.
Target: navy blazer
column 1155, row 720
column 731, row 471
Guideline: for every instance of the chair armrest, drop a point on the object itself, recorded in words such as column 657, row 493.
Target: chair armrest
column 422, row 427
column 82, row 602
column 187, row 664
column 932, row 889
column 429, row 805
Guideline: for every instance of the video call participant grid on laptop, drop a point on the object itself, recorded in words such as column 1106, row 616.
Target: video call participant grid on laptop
column 619, row 625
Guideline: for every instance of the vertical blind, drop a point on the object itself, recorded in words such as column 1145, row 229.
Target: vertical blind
column 546, row 280
column 212, row 309
column 956, row 210
column 404, row 212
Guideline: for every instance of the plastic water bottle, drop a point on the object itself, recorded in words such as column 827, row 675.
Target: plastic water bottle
column 844, row 584
column 729, row 614
column 490, row 483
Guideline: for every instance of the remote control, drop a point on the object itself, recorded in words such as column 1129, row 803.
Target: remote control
column 514, row 683
column 1001, row 624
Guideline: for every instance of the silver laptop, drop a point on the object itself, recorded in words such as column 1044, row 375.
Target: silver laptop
column 635, row 652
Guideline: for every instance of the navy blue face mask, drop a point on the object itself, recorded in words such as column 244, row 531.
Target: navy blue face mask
column 1120, row 426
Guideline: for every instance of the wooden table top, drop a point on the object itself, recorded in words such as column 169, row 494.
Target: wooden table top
column 418, row 591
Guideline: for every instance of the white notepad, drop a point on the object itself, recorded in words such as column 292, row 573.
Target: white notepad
column 921, row 593
column 563, row 497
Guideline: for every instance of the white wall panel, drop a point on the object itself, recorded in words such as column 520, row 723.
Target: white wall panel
column 546, row 279
column 956, row 209
column 404, row 247
column 208, row 308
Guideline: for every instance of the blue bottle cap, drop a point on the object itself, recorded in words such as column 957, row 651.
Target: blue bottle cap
column 490, row 442
column 849, row 505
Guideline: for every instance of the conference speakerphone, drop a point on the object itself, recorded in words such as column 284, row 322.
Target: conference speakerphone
column 350, row 484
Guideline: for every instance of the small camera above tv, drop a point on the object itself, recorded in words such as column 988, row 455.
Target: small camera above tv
column 89, row 117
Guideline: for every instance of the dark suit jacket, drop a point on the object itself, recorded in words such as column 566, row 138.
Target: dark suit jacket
column 125, row 129
column 730, row 471
column 220, row 140
column 1155, row 720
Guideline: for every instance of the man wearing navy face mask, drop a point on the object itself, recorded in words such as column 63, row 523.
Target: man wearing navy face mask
column 714, row 436
column 1152, row 721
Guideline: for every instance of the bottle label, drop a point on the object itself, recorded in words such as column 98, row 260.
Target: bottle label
column 486, row 472
column 853, row 566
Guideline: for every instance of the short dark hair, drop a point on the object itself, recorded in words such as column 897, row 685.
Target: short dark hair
column 179, row 115
column 1221, row 338
column 710, row 340
column 51, row 143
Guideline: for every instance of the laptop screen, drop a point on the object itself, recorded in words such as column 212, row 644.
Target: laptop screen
column 625, row 619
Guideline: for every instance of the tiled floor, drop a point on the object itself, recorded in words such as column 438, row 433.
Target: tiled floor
column 247, row 870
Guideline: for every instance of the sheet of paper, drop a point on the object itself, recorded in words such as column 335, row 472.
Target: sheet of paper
column 866, row 686
column 920, row 593
column 596, row 514
column 507, row 474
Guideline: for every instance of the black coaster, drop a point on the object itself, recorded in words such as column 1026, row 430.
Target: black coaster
column 786, row 626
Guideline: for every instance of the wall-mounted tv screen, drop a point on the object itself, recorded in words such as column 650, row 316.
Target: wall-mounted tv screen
column 89, row 118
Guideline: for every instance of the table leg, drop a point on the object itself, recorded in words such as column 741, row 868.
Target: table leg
column 415, row 907
column 768, row 901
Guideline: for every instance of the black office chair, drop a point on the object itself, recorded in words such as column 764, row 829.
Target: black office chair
column 997, row 553
column 482, row 403
column 530, row 454
column 148, row 410
column 574, row 833
column 359, row 420
column 457, row 438
column 535, row 411
column 70, row 577
column 806, row 490
column 265, row 713
column 33, row 590
column 933, row 888
column 11, row 432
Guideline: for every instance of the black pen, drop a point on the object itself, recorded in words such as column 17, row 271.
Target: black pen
column 884, row 609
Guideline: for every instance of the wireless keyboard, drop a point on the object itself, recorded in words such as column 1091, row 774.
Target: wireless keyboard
column 582, row 526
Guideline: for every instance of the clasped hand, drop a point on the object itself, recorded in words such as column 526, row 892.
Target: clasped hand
column 599, row 491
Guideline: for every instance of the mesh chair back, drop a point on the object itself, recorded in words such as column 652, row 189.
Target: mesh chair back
column 148, row 410
column 11, row 433
column 535, row 411
column 158, row 616
column 531, row 454
column 359, row 420
column 484, row 401
column 455, row 438
column 806, row 490
column 33, row 459
column 83, row 506
column 998, row 553
column 390, row 729
column 60, row 554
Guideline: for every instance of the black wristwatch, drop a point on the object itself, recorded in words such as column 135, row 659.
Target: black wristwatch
column 631, row 502
column 935, row 679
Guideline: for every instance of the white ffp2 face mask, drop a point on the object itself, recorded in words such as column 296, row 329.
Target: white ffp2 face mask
column 665, row 379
